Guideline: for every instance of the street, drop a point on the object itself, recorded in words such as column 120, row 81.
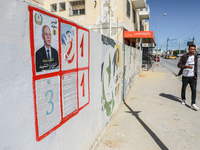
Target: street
column 171, row 64
column 153, row 117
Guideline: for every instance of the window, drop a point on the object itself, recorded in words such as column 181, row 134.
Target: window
column 128, row 8
column 134, row 16
column 53, row 7
column 77, row 7
column 62, row 6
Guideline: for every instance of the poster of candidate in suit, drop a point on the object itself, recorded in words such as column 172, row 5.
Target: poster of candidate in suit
column 46, row 43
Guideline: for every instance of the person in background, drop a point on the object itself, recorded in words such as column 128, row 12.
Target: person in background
column 188, row 64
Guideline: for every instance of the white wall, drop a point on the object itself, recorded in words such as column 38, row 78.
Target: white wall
column 17, row 126
column 17, row 117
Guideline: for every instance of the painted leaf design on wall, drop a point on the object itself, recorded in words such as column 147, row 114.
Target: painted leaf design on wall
column 108, row 69
column 108, row 106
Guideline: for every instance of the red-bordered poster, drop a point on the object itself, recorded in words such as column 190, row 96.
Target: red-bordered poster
column 60, row 53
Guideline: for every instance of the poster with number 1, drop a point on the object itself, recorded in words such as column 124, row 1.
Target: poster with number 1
column 82, row 48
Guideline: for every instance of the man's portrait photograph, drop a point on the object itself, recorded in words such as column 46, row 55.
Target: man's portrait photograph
column 46, row 44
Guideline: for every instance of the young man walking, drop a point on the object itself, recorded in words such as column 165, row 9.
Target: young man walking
column 188, row 64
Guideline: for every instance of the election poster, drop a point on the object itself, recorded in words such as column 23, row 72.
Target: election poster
column 45, row 43
column 68, row 46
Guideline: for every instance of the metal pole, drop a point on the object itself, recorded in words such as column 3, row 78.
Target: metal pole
column 193, row 40
column 100, row 19
column 161, row 45
column 109, row 20
column 179, row 48
column 117, row 28
column 157, row 39
column 140, row 44
column 167, row 44
column 157, row 33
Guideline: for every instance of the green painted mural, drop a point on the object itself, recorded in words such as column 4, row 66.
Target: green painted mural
column 111, row 74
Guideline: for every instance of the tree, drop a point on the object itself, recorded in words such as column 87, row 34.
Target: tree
column 176, row 52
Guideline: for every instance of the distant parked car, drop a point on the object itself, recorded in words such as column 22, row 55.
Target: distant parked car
column 158, row 58
column 172, row 57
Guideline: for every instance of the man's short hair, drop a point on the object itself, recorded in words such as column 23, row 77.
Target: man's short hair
column 44, row 27
column 192, row 45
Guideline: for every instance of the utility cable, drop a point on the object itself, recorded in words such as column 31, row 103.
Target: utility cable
column 189, row 30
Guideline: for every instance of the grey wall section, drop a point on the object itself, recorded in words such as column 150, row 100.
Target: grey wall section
column 17, row 126
column 132, row 67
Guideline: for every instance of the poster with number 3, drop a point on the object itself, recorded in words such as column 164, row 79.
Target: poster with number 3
column 48, row 103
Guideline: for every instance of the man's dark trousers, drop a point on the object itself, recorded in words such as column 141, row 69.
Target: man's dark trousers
column 193, row 85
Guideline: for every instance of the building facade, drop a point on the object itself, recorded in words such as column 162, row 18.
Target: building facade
column 37, row 2
column 99, row 15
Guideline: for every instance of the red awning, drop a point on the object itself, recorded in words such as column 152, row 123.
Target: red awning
column 147, row 36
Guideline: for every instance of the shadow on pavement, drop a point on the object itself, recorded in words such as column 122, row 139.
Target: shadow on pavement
column 172, row 97
column 151, row 133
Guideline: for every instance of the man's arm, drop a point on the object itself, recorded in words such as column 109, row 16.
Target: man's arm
column 180, row 63
column 196, row 67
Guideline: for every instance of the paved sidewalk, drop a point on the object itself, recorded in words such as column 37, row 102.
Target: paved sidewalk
column 153, row 117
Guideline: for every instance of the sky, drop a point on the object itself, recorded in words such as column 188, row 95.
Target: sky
column 181, row 22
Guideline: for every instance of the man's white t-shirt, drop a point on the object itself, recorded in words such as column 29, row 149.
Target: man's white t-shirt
column 187, row 72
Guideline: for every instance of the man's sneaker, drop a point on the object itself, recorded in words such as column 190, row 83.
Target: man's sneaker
column 194, row 106
column 183, row 102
